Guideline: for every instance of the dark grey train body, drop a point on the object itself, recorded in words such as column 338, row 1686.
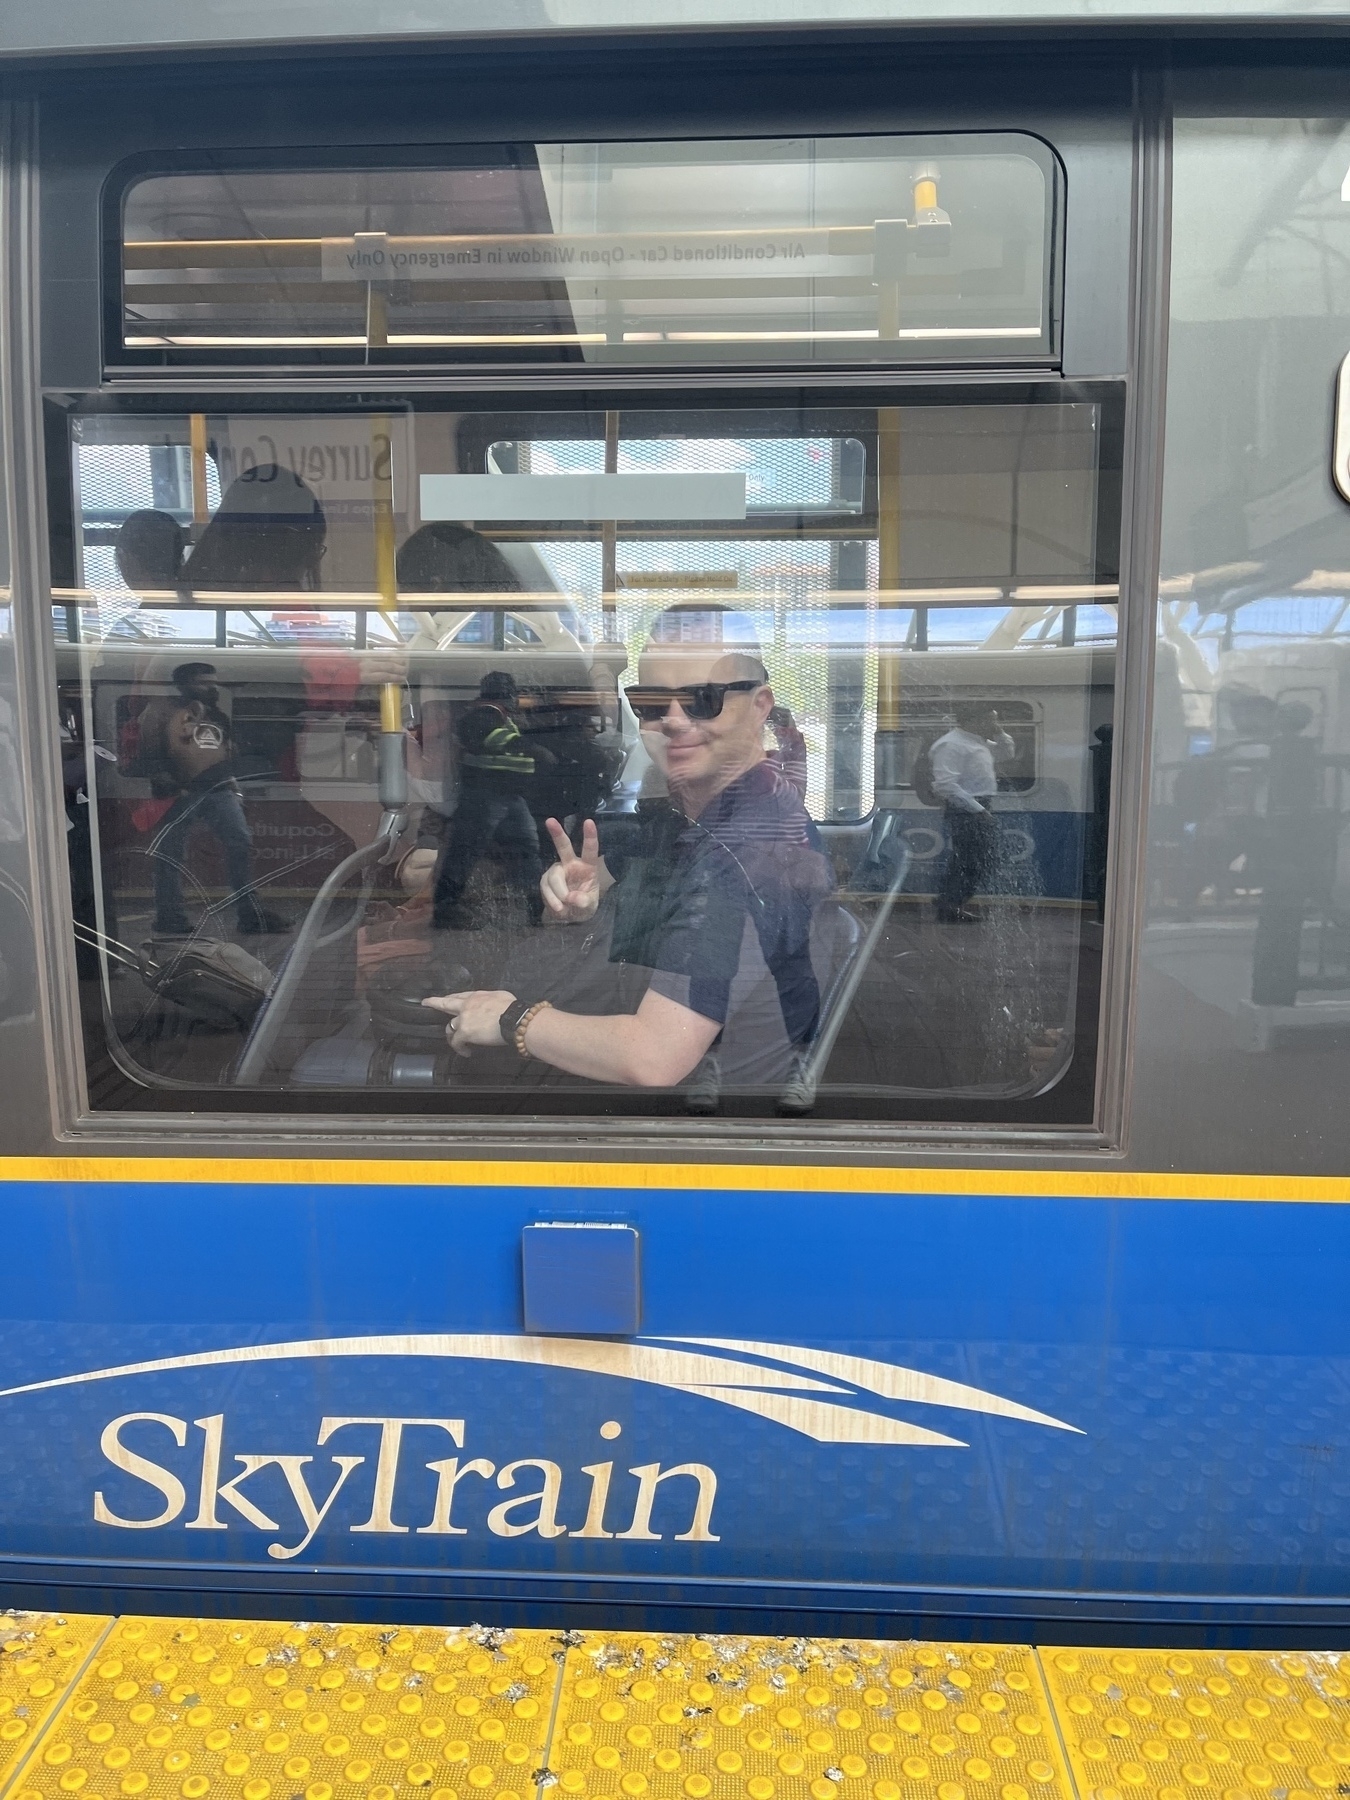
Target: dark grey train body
column 1017, row 1297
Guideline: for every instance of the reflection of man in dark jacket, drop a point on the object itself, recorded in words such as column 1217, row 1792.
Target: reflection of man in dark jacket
column 574, row 771
column 185, row 749
column 496, row 768
column 1295, row 857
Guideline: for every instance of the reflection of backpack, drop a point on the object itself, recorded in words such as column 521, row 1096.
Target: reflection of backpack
column 921, row 776
column 218, row 983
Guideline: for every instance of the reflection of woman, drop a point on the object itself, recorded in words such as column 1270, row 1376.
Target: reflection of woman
column 269, row 532
column 454, row 559
column 445, row 558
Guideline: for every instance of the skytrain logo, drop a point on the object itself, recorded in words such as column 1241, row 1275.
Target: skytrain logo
column 825, row 1395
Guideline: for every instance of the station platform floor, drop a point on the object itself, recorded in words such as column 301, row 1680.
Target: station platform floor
column 179, row 1709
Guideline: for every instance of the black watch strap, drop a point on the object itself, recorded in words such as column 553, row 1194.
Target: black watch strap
column 510, row 1018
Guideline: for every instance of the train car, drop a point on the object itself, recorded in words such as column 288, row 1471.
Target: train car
column 673, row 869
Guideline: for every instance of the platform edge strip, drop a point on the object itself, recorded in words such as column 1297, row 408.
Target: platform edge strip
column 21, row 1767
column 1070, row 1772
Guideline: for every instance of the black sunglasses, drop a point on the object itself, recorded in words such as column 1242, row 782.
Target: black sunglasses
column 704, row 701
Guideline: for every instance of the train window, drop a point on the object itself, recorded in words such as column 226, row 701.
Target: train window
column 746, row 760
column 872, row 250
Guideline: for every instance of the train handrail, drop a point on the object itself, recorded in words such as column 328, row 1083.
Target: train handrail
column 886, row 851
column 799, row 1091
column 311, row 937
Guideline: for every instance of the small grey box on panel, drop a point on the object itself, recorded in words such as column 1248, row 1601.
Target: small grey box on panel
column 581, row 1279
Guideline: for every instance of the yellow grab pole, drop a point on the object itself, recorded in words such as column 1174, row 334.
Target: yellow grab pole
column 888, row 560
column 197, row 439
column 609, row 539
column 393, row 770
column 386, row 563
column 377, row 318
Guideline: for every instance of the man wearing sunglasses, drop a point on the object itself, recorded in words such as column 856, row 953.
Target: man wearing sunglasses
column 711, row 897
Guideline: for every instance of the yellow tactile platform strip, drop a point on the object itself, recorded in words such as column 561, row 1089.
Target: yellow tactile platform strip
column 179, row 1709
column 1182, row 1725
column 757, row 1717
column 190, row 1707
column 40, row 1655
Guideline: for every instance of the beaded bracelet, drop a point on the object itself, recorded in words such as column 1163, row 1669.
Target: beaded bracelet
column 524, row 1025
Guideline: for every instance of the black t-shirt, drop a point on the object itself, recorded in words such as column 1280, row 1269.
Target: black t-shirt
column 719, row 910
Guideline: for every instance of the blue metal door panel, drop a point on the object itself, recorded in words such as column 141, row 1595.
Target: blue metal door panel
column 1153, row 1399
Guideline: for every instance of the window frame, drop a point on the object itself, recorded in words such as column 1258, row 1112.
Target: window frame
column 119, row 360
column 625, row 1119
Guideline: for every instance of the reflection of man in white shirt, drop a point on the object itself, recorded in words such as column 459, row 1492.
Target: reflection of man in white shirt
column 963, row 763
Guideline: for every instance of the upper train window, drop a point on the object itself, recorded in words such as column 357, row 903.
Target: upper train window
column 732, row 759
column 873, row 250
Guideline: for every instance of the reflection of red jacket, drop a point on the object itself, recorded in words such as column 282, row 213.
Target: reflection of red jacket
column 332, row 679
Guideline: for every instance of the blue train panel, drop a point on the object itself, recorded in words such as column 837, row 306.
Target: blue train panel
column 859, row 1396
column 1041, row 855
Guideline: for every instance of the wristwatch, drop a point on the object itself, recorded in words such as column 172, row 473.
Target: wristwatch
column 510, row 1019
column 515, row 1022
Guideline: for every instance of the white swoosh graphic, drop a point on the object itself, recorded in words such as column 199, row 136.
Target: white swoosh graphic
column 594, row 1356
column 831, row 1424
column 887, row 1379
column 770, row 1393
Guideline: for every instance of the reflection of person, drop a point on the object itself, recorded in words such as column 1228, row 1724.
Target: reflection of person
column 186, row 741
column 149, row 551
column 962, row 761
column 1288, row 859
column 789, row 751
column 574, row 772
column 713, row 895
column 442, row 558
column 495, row 769
column 268, row 532
column 445, row 558
column 1214, row 796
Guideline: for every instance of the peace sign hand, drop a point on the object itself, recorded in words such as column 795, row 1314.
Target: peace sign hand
column 571, row 889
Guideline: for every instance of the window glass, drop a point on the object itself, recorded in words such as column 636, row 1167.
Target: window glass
column 877, row 249
column 1250, row 878
column 786, row 807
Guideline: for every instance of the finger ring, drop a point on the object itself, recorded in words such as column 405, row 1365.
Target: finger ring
column 453, row 1023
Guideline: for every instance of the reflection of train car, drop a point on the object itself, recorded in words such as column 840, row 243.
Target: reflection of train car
column 1251, row 820
column 301, row 707
column 1214, row 784
column 1051, row 703
column 750, row 1243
